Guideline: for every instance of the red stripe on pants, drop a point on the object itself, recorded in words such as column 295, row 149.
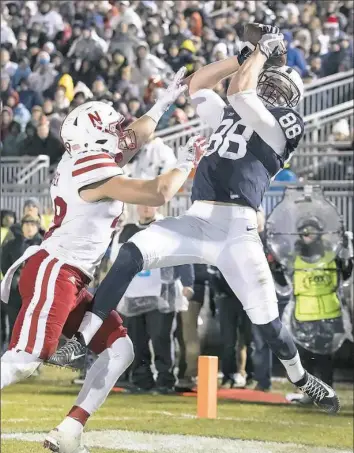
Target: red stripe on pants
column 39, row 306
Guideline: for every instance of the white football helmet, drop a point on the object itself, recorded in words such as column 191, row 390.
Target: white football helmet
column 96, row 126
column 280, row 86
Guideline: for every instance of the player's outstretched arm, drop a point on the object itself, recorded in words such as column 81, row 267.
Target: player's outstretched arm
column 154, row 192
column 209, row 76
column 146, row 125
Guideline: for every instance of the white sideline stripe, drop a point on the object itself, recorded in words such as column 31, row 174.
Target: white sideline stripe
column 161, row 443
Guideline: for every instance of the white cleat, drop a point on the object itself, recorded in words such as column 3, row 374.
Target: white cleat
column 64, row 442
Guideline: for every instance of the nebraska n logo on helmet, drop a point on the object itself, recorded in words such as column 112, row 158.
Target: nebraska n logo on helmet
column 96, row 126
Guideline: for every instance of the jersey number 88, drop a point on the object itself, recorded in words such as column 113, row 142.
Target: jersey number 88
column 290, row 126
column 227, row 142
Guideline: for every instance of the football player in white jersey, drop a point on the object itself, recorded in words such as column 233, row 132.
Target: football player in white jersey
column 88, row 192
column 252, row 138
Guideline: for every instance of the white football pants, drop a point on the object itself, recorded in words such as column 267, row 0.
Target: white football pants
column 222, row 236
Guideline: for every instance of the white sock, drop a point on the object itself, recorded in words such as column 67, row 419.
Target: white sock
column 294, row 368
column 104, row 373
column 71, row 426
column 89, row 326
column 16, row 366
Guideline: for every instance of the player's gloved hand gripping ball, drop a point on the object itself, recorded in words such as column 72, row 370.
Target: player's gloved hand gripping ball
column 253, row 33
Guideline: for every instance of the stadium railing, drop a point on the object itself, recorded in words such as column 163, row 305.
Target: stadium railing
column 328, row 164
column 24, row 170
column 318, row 126
column 328, row 92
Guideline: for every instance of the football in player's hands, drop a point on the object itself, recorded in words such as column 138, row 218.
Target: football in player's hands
column 253, row 33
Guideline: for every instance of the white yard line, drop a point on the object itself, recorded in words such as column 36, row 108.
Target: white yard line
column 161, row 443
column 175, row 416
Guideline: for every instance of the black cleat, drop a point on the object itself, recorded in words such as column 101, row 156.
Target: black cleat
column 321, row 394
column 71, row 354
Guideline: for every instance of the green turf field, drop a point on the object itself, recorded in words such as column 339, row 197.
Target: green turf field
column 156, row 423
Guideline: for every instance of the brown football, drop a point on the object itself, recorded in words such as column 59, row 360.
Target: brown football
column 252, row 33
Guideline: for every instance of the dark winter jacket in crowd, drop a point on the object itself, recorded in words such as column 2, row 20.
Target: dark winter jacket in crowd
column 51, row 146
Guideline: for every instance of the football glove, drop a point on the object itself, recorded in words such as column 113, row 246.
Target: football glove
column 271, row 44
column 248, row 47
column 190, row 154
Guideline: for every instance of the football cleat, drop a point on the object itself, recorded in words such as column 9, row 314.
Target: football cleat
column 72, row 354
column 321, row 394
column 63, row 442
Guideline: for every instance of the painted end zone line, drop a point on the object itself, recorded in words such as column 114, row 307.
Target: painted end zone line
column 161, row 443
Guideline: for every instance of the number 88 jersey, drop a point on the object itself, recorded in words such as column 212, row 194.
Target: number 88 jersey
column 241, row 161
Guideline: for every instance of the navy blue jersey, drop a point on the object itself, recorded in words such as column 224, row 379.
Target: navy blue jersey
column 239, row 164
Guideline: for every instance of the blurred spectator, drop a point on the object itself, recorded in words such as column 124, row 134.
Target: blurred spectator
column 7, row 36
column 7, row 67
column 295, row 58
column 125, row 41
column 43, row 142
column 8, row 218
column 50, row 20
column 29, row 98
column 235, row 334
column 187, row 328
column 20, row 112
column 22, row 72
column 6, row 120
column 24, row 237
column 6, row 88
column 339, row 58
column 12, row 141
column 36, row 115
column 31, row 207
column 147, row 65
column 43, row 75
column 126, row 15
column 87, row 46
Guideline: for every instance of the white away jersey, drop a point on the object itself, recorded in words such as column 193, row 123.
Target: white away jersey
column 81, row 232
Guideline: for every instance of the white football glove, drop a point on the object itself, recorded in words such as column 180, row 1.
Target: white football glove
column 168, row 96
column 174, row 89
column 270, row 43
column 190, row 154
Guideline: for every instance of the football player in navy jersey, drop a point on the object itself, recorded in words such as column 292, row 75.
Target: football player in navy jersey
column 253, row 136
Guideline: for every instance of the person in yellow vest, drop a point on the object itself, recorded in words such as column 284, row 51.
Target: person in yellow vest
column 317, row 321
column 8, row 218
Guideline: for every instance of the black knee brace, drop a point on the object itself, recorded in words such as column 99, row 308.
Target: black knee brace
column 279, row 339
column 127, row 264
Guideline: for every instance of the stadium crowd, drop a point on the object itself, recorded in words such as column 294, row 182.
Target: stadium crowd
column 56, row 55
